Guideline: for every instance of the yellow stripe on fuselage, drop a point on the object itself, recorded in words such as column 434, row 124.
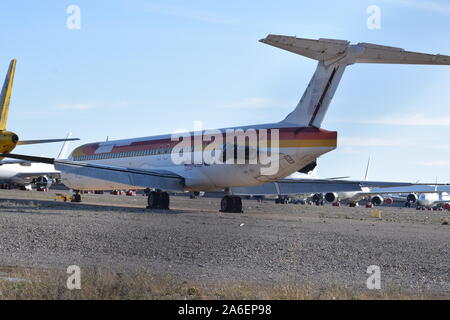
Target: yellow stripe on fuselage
column 313, row 143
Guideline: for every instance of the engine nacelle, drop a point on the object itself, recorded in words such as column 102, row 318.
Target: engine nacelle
column 412, row 198
column 377, row 200
column 8, row 141
column 389, row 201
column 43, row 182
column 331, row 197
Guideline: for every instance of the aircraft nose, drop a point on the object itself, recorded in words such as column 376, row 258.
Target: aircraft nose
column 15, row 138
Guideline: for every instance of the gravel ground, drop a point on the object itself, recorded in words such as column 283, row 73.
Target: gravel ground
column 269, row 243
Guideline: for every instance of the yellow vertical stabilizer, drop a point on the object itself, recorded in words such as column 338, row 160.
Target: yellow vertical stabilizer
column 5, row 96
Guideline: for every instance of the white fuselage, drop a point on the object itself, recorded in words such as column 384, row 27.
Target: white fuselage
column 23, row 173
column 431, row 199
column 297, row 148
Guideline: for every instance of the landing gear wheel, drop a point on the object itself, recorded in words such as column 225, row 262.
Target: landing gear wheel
column 158, row 200
column 226, row 204
column 237, row 204
column 282, row 200
column 164, row 201
column 76, row 197
column 152, row 200
column 231, row 204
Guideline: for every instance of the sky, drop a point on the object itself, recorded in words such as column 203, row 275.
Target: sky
column 138, row 68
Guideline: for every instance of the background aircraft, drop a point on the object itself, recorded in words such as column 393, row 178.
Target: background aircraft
column 428, row 197
column 430, row 200
column 22, row 174
column 9, row 140
column 375, row 197
column 423, row 195
column 146, row 162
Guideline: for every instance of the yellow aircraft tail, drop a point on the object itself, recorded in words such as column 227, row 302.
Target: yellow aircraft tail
column 5, row 96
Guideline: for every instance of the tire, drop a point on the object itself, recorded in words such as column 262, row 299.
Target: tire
column 226, row 204
column 164, row 201
column 153, row 200
column 76, row 197
column 237, row 204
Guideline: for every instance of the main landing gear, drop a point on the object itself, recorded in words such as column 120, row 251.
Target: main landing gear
column 282, row 200
column 158, row 200
column 76, row 196
column 232, row 204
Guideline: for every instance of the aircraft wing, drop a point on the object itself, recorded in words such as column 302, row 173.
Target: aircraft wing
column 297, row 186
column 305, row 186
column 159, row 179
column 10, row 161
column 169, row 181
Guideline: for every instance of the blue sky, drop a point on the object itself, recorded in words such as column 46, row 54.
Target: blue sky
column 138, row 68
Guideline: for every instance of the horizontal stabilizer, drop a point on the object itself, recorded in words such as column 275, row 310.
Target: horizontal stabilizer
column 333, row 57
column 25, row 142
column 321, row 50
column 330, row 51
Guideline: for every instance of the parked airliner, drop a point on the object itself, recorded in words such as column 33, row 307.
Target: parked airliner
column 291, row 144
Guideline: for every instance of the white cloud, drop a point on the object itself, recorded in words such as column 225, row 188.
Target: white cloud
column 251, row 103
column 435, row 163
column 372, row 142
column 75, row 106
column 351, row 144
column 425, row 5
column 414, row 119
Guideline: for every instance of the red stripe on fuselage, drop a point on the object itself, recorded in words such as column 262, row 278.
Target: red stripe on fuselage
column 284, row 134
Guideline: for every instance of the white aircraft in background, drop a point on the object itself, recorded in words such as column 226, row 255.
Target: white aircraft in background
column 354, row 197
column 375, row 196
column 304, row 174
column 25, row 173
column 430, row 197
column 146, row 162
column 430, row 200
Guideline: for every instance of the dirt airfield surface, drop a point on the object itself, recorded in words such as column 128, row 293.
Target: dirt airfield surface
column 268, row 243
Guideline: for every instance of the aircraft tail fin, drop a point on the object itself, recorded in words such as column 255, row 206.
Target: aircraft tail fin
column 333, row 57
column 63, row 153
column 366, row 176
column 5, row 95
